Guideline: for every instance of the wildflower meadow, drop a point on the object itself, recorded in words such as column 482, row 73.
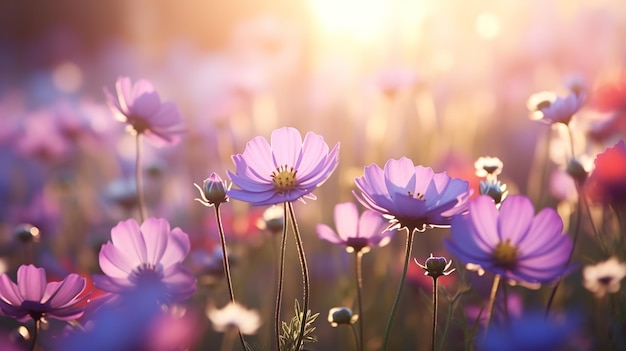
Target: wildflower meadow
column 312, row 175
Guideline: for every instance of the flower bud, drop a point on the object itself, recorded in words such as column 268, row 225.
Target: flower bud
column 494, row 189
column 576, row 170
column 214, row 190
column 436, row 266
column 341, row 315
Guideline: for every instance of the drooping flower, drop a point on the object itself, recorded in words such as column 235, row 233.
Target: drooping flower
column 140, row 106
column 234, row 316
column 144, row 257
column 511, row 241
column 550, row 108
column 412, row 197
column 34, row 297
column 354, row 232
column 604, row 277
column 289, row 169
column 607, row 182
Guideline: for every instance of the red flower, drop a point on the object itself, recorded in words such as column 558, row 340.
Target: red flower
column 607, row 182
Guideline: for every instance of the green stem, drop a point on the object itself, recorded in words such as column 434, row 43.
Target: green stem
column 358, row 257
column 492, row 300
column 139, row 180
column 305, row 275
column 435, row 307
column 281, row 273
column 407, row 258
column 220, row 229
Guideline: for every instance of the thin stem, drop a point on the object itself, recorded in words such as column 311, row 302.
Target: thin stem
column 435, row 307
column 228, row 341
column 505, row 297
column 35, row 333
column 407, row 258
column 577, row 223
column 600, row 239
column 358, row 259
column 139, row 180
column 220, row 229
column 356, row 338
column 305, row 274
column 492, row 300
column 571, row 140
column 281, row 273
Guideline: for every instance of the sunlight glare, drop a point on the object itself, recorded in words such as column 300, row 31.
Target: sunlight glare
column 359, row 20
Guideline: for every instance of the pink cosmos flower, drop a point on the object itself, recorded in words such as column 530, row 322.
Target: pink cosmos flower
column 412, row 197
column 33, row 297
column 555, row 109
column 289, row 169
column 149, row 256
column 140, row 106
column 354, row 232
column 511, row 241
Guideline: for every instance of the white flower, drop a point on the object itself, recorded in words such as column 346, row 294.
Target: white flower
column 604, row 277
column 488, row 165
column 234, row 315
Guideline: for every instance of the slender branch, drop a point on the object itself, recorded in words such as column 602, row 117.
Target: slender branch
column 139, row 180
column 407, row 258
column 358, row 260
column 305, row 275
column 228, row 341
column 281, row 273
column 220, row 229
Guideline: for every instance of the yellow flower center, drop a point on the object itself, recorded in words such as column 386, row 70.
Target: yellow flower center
column 505, row 254
column 284, row 178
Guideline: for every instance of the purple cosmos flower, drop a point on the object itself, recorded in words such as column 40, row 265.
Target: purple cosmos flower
column 412, row 197
column 150, row 255
column 290, row 169
column 512, row 242
column 33, row 297
column 354, row 232
column 140, row 106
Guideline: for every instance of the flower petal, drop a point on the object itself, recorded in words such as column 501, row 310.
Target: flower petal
column 31, row 282
column 324, row 232
column 126, row 236
column 155, row 232
column 516, row 216
column 346, row 220
column 286, row 146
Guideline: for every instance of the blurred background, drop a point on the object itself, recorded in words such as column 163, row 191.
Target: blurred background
column 441, row 82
